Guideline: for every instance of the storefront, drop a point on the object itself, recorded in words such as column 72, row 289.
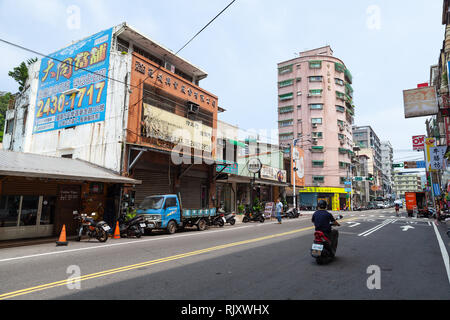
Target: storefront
column 336, row 198
column 38, row 194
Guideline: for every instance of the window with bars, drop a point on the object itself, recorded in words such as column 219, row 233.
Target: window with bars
column 285, row 69
column 286, row 123
column 316, row 79
column 315, row 64
column 318, row 178
column 285, row 83
column 316, row 106
column 318, row 164
column 315, row 92
column 340, row 109
column 286, row 109
column 287, row 96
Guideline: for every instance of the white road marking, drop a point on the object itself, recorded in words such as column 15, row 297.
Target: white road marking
column 367, row 232
column 443, row 251
column 123, row 243
column 406, row 228
column 353, row 224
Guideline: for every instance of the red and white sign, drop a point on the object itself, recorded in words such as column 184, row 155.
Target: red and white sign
column 447, row 129
column 418, row 143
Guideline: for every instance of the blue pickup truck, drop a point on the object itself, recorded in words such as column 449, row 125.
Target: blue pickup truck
column 164, row 212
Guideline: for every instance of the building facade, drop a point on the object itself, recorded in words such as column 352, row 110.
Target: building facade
column 315, row 105
column 367, row 140
column 121, row 101
column 406, row 183
column 387, row 161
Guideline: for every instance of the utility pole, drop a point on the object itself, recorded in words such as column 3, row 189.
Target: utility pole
column 294, row 169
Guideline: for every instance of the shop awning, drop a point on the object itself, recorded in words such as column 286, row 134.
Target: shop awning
column 244, row 179
column 237, row 143
column 39, row 166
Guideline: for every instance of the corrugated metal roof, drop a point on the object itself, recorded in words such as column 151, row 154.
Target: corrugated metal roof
column 41, row 166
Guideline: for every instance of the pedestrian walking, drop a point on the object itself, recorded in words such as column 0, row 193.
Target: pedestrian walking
column 279, row 208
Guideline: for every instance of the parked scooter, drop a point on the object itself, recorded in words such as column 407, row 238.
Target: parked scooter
column 292, row 213
column 219, row 220
column 131, row 226
column 230, row 218
column 253, row 216
column 88, row 226
column 323, row 250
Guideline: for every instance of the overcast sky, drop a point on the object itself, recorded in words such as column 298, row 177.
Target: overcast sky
column 388, row 45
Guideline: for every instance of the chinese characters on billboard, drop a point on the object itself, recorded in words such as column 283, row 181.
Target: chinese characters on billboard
column 83, row 66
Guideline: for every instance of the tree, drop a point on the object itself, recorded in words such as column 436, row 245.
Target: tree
column 20, row 73
column 4, row 101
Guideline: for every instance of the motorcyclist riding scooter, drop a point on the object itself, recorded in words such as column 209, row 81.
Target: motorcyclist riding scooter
column 397, row 208
column 325, row 238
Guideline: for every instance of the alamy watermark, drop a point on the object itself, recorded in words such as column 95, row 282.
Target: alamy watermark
column 73, row 21
column 373, row 21
column 374, row 280
column 73, row 281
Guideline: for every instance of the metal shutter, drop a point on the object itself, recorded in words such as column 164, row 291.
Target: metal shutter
column 153, row 183
column 190, row 189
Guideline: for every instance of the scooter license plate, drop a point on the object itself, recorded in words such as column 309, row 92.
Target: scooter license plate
column 317, row 247
column 106, row 228
column 143, row 225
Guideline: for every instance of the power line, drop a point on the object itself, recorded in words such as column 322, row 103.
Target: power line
column 206, row 26
column 101, row 75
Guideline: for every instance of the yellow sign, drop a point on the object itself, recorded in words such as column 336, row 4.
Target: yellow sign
column 167, row 126
column 322, row 190
column 429, row 143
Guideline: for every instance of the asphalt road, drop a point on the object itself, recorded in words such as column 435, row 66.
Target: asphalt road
column 380, row 256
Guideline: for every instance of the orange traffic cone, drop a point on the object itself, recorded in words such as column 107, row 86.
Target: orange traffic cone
column 117, row 231
column 62, row 237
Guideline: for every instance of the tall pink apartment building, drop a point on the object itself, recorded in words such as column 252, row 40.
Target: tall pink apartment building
column 315, row 106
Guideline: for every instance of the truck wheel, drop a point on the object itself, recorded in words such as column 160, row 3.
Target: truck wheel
column 171, row 227
column 201, row 226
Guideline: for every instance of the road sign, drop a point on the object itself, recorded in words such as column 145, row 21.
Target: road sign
column 358, row 178
column 398, row 165
column 348, row 190
column 348, row 183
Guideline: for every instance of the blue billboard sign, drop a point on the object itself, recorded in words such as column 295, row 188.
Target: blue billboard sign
column 73, row 84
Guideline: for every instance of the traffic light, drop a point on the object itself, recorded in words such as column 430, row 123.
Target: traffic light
column 370, row 178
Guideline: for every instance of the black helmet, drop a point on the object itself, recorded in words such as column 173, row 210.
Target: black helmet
column 322, row 204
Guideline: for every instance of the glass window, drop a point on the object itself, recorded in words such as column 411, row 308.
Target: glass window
column 48, row 211
column 318, row 179
column 286, row 96
column 315, row 92
column 285, row 69
column 9, row 210
column 28, row 214
column 171, row 202
column 340, row 109
column 315, row 79
column 315, row 64
column 316, row 120
column 317, row 135
column 317, row 106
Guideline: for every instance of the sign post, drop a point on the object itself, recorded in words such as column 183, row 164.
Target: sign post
column 254, row 166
